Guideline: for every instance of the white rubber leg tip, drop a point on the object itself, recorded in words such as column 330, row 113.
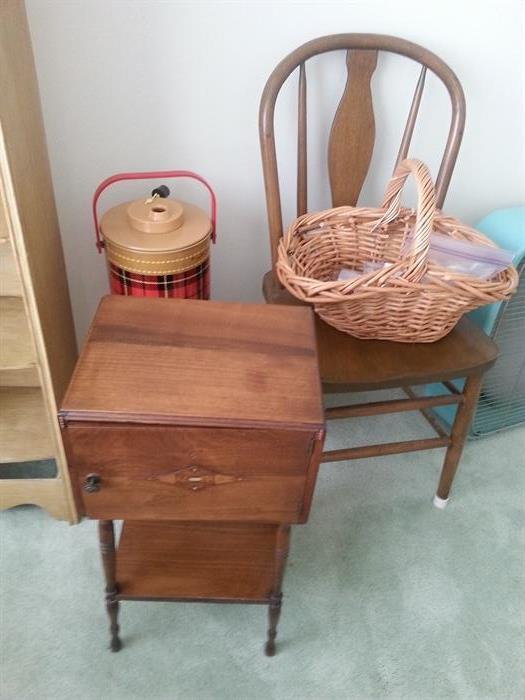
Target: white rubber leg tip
column 440, row 503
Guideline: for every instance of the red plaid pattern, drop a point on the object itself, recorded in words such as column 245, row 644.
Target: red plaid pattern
column 192, row 284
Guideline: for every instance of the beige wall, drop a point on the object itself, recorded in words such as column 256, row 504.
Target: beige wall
column 137, row 85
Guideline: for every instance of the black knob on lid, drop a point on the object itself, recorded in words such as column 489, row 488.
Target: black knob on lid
column 162, row 191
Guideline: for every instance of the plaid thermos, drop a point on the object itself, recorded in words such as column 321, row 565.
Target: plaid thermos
column 156, row 246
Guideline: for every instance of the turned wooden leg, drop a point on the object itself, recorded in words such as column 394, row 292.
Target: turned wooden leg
column 106, row 533
column 458, row 435
column 274, row 613
column 274, row 610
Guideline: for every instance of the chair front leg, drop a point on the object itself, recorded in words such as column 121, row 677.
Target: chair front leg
column 458, row 435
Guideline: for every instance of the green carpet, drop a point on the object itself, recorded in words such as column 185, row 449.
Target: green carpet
column 385, row 596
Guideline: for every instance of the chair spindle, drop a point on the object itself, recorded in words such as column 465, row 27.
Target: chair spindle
column 412, row 116
column 302, row 167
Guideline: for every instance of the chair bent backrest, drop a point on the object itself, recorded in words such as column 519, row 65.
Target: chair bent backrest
column 352, row 133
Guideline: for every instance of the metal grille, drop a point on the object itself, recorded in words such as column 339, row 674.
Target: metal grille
column 502, row 400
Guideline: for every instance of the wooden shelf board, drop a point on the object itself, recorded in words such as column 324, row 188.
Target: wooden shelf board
column 16, row 345
column 10, row 283
column 23, row 376
column 25, row 434
column 196, row 561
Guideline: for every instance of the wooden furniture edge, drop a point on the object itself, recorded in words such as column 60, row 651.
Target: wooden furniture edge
column 48, row 393
column 45, row 493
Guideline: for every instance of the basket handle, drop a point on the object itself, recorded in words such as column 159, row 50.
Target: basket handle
column 426, row 207
column 154, row 175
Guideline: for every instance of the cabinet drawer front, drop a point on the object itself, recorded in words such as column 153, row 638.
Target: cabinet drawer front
column 189, row 473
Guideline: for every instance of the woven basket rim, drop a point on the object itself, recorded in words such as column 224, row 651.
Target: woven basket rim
column 336, row 291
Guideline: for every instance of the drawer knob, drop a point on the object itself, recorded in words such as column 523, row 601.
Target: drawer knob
column 92, row 483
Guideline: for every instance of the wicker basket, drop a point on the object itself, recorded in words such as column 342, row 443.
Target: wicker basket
column 411, row 300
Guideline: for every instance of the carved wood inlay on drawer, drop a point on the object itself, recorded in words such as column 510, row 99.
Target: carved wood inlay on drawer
column 195, row 478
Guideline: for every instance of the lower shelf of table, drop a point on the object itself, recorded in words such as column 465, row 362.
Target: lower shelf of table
column 213, row 562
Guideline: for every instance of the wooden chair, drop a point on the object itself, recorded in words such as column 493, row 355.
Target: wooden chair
column 346, row 363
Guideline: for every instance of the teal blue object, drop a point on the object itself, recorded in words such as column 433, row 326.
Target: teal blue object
column 506, row 227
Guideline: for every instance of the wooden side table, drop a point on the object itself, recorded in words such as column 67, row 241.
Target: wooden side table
column 200, row 424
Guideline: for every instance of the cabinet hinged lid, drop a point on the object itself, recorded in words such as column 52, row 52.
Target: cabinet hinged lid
column 188, row 362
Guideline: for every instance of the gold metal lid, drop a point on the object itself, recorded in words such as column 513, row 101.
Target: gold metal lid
column 155, row 215
column 155, row 225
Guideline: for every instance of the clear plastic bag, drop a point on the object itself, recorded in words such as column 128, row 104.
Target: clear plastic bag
column 458, row 256
column 461, row 257
column 466, row 258
column 345, row 275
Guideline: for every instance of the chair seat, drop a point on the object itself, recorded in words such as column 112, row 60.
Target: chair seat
column 347, row 363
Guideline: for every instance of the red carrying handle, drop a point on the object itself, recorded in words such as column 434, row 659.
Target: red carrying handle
column 157, row 175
